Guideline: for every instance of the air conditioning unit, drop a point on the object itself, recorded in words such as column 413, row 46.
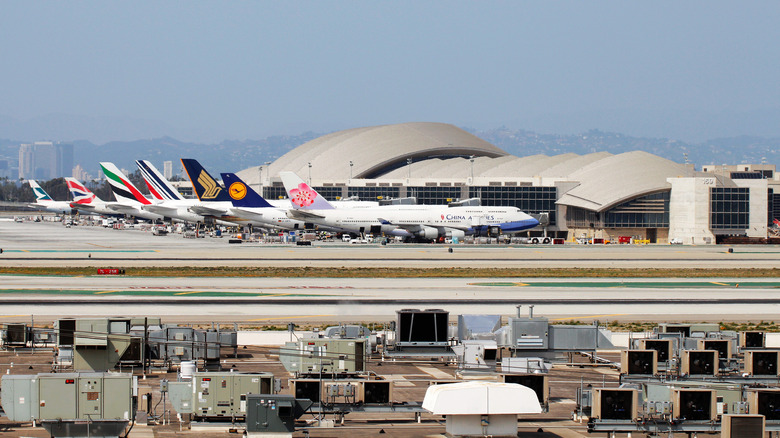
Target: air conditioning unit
column 742, row 426
column 664, row 347
column 762, row 362
column 694, row 404
column 764, row 402
column 540, row 383
column 639, row 362
column 700, row 362
column 615, row 404
column 377, row 392
column 722, row 346
column 752, row 339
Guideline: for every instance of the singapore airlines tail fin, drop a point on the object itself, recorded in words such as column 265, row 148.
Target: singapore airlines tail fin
column 206, row 187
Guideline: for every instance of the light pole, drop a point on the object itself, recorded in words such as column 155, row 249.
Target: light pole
column 309, row 173
column 409, row 164
column 350, row 170
column 471, row 158
column 260, row 182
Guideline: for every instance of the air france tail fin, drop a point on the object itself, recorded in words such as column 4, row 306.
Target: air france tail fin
column 123, row 189
column 301, row 195
column 81, row 194
column 241, row 194
column 40, row 194
column 206, row 187
column 158, row 186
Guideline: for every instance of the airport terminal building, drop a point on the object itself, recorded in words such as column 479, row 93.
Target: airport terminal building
column 600, row 194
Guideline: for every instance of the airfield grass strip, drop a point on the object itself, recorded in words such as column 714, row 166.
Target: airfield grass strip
column 365, row 272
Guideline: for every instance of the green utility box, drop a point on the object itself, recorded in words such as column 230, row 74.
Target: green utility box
column 69, row 396
column 325, row 356
column 273, row 413
column 224, row 394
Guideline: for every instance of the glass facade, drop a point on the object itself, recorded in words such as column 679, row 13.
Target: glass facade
column 528, row 199
column 330, row 193
column 730, row 208
column 774, row 206
column 373, row 193
column 650, row 211
column 434, row 195
column 274, row 192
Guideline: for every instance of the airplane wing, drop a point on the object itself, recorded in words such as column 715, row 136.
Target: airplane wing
column 303, row 215
column 120, row 207
column 245, row 213
column 161, row 210
column 415, row 227
column 78, row 206
column 207, row 211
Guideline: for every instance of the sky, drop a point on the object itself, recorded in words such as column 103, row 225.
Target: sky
column 212, row 70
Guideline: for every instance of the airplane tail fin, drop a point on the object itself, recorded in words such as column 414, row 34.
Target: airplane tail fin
column 123, row 189
column 81, row 194
column 40, row 194
column 241, row 194
column 158, row 186
column 206, row 187
column 301, row 195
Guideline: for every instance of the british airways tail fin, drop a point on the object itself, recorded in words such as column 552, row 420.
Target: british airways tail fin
column 40, row 194
column 81, row 194
column 241, row 194
column 206, row 187
column 124, row 190
column 159, row 187
column 301, row 195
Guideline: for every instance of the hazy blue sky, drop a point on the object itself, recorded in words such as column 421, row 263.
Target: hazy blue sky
column 205, row 71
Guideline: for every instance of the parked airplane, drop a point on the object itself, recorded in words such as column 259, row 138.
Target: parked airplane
column 44, row 202
column 168, row 201
column 248, row 204
column 425, row 222
column 129, row 199
column 87, row 202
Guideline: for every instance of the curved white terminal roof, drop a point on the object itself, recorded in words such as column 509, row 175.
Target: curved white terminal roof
column 376, row 150
column 481, row 398
column 441, row 152
column 617, row 178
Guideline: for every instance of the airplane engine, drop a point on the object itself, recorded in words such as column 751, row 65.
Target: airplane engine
column 460, row 234
column 428, row 233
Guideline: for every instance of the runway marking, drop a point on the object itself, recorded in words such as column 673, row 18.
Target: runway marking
column 589, row 316
column 274, row 295
column 107, row 292
column 95, row 244
column 720, row 284
column 188, row 293
column 12, row 316
column 287, row 317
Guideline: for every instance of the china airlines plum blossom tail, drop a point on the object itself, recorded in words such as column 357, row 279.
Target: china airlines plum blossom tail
column 241, row 194
column 301, row 195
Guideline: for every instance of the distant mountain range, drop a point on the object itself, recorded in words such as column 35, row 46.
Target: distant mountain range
column 237, row 155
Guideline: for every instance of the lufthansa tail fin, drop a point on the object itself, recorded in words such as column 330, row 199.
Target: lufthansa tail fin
column 158, row 186
column 301, row 195
column 81, row 194
column 40, row 194
column 241, row 194
column 123, row 189
column 206, row 187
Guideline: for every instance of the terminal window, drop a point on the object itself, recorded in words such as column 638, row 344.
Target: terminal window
column 650, row 211
column 373, row 193
column 434, row 195
column 730, row 208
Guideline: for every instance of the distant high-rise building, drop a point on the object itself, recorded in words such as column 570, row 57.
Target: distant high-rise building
column 168, row 169
column 45, row 160
column 80, row 174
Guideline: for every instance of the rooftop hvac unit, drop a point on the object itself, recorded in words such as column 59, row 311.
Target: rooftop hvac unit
column 422, row 328
column 377, row 392
column 742, row 426
column 700, row 362
column 540, row 383
column 694, row 405
column 66, row 334
column 722, row 346
column 639, row 362
column 764, row 402
column 306, row 388
column 664, row 347
column 615, row 404
column 762, row 363
column 753, row 339
column 16, row 335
